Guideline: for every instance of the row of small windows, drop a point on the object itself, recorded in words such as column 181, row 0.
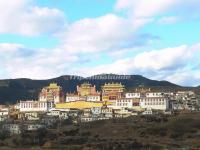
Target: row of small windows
column 106, row 111
column 153, row 100
column 122, row 104
column 14, row 127
column 93, row 97
column 75, row 98
column 31, row 105
column 30, row 114
column 133, row 94
column 87, row 119
column 124, row 101
column 161, row 103
column 33, row 127
column 72, row 98
column 154, row 94
column 138, row 94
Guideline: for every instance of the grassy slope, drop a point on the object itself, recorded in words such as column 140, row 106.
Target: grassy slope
column 137, row 132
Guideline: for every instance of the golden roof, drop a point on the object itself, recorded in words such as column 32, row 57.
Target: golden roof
column 79, row 105
column 85, row 85
column 109, row 85
column 53, row 85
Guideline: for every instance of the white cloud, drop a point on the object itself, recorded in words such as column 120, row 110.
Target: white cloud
column 22, row 17
column 169, row 20
column 42, row 63
column 172, row 64
column 185, row 77
column 6, row 48
column 118, row 67
column 146, row 8
column 188, row 9
column 100, row 34
column 162, row 59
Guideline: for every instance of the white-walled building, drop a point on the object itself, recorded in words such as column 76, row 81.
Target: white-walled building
column 96, row 110
column 121, row 103
column 61, row 113
column 147, row 112
column 154, row 94
column 157, row 103
column 30, row 105
column 33, row 127
column 72, row 98
column 148, row 99
column 94, row 98
column 31, row 116
column 4, row 114
column 121, row 113
column 124, row 103
column 12, row 128
column 75, row 97
column 107, row 112
column 132, row 95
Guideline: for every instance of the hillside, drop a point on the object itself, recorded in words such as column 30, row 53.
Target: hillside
column 12, row 90
column 158, row 132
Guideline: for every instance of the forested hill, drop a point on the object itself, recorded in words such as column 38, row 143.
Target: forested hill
column 12, row 90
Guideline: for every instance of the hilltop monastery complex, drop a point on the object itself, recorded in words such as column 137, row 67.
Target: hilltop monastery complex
column 112, row 95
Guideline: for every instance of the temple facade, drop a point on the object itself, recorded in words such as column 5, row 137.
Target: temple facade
column 112, row 91
column 86, row 89
column 53, row 92
column 85, row 92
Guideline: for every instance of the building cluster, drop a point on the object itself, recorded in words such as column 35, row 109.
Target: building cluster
column 87, row 104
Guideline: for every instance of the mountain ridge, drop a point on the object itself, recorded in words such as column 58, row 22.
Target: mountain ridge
column 12, row 90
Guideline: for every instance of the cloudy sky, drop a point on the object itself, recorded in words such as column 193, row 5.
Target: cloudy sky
column 159, row 39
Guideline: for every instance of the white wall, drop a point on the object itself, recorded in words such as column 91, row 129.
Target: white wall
column 132, row 95
column 155, row 103
column 28, row 106
column 155, row 94
column 93, row 98
column 122, row 103
column 3, row 113
column 72, row 98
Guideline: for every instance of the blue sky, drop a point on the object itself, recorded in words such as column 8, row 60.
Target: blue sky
column 44, row 39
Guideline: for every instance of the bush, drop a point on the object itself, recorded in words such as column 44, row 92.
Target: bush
column 156, row 130
column 182, row 126
column 71, row 132
column 3, row 136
